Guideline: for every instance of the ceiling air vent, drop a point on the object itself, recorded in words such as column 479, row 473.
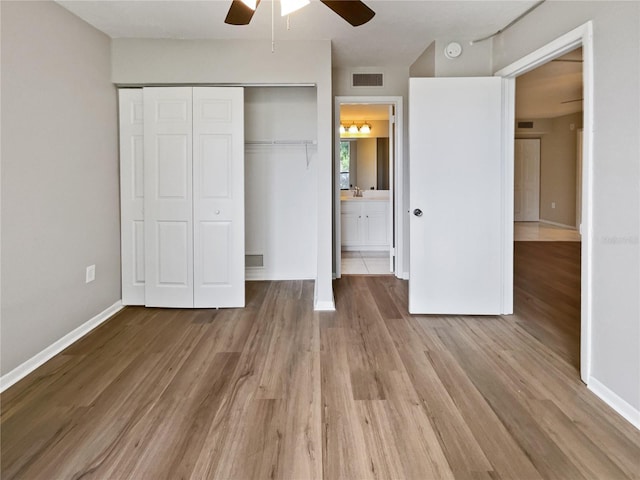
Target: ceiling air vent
column 367, row 80
column 525, row 124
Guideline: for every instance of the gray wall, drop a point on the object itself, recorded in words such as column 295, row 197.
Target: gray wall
column 558, row 151
column 616, row 173
column 474, row 61
column 425, row 64
column 60, row 208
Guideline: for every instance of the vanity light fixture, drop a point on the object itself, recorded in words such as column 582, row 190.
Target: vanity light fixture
column 365, row 128
column 343, row 130
column 353, row 128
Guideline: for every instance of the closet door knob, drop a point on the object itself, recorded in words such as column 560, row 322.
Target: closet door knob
column 417, row 212
column 217, row 212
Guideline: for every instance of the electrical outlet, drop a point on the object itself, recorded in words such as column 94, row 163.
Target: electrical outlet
column 553, row 204
column 91, row 274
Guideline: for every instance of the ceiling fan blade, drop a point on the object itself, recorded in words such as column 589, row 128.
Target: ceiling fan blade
column 353, row 11
column 239, row 13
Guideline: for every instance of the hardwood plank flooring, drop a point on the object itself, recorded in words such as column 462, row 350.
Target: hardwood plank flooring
column 276, row 390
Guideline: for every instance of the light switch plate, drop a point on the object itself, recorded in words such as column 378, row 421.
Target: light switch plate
column 91, row 274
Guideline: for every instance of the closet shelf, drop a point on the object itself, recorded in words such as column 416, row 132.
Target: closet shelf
column 304, row 143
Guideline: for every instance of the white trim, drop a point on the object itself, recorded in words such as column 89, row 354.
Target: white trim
column 507, row 181
column 58, row 346
column 324, row 307
column 365, row 248
column 398, row 179
column 558, row 47
column 557, row 224
column 261, row 274
column 626, row 410
column 580, row 36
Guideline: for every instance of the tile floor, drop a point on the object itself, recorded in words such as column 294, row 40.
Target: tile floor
column 365, row 263
column 543, row 232
column 377, row 263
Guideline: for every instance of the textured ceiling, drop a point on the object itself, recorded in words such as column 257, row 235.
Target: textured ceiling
column 397, row 35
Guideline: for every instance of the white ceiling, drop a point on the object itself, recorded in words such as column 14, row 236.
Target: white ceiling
column 397, row 35
column 540, row 93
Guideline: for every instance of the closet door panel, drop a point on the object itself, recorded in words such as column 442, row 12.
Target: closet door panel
column 218, row 196
column 131, row 123
column 168, row 186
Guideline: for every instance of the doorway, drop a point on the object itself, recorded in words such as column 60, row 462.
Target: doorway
column 549, row 114
column 580, row 37
column 367, row 175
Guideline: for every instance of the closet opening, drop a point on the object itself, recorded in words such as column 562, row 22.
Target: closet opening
column 281, row 178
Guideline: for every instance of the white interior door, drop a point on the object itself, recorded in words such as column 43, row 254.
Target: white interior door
column 132, row 195
column 456, row 249
column 168, row 210
column 527, row 180
column 392, row 190
column 218, row 197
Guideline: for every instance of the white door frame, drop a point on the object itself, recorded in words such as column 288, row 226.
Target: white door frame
column 398, row 177
column 581, row 36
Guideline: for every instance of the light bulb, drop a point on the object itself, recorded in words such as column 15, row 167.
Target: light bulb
column 250, row 3
column 290, row 6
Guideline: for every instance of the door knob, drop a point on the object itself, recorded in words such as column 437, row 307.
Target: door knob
column 417, row 212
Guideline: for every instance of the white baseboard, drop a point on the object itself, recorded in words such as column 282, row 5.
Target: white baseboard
column 324, row 306
column 556, row 224
column 365, row 248
column 629, row 413
column 261, row 274
column 52, row 350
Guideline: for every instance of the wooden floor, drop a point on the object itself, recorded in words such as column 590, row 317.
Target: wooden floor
column 278, row 391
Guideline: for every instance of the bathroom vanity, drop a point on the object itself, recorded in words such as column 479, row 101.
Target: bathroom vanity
column 365, row 220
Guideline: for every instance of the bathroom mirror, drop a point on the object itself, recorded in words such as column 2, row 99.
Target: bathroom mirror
column 364, row 162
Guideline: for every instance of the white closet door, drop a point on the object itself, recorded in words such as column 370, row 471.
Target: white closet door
column 132, row 195
column 218, row 196
column 168, row 211
column 527, row 180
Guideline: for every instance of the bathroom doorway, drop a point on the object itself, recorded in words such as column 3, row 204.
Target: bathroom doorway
column 365, row 180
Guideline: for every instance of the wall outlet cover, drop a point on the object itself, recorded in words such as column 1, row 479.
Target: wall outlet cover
column 91, row 274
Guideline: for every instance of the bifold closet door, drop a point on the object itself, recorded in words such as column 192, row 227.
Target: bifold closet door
column 132, row 195
column 168, row 204
column 218, row 197
column 194, row 197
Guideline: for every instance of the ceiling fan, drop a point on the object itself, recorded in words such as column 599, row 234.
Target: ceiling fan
column 353, row 11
